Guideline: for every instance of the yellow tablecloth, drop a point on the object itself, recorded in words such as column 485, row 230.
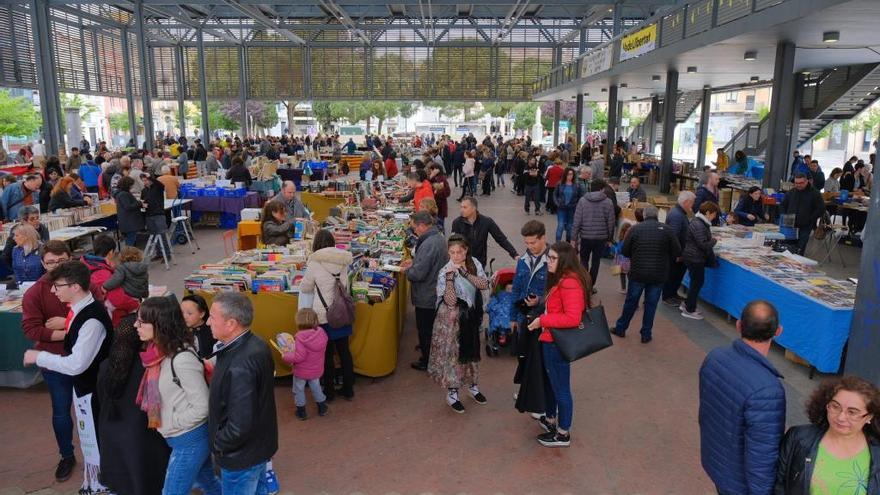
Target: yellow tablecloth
column 319, row 204
column 375, row 337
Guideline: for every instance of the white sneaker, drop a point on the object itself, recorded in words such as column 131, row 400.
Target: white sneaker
column 694, row 316
column 682, row 307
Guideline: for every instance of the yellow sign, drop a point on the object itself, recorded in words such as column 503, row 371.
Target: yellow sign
column 638, row 43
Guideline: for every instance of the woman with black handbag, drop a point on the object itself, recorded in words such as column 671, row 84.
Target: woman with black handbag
column 455, row 344
column 567, row 297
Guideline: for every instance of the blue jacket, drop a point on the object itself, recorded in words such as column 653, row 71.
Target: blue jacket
column 500, row 308
column 13, row 199
column 529, row 280
column 742, row 419
column 89, row 173
column 27, row 268
column 678, row 220
column 746, row 206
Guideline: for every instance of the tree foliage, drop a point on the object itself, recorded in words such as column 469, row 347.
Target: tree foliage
column 18, row 117
column 118, row 121
column 216, row 118
column 525, row 115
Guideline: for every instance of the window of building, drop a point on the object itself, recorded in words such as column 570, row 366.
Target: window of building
column 750, row 103
column 731, row 97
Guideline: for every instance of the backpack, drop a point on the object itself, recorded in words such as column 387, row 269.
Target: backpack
column 206, row 366
column 341, row 312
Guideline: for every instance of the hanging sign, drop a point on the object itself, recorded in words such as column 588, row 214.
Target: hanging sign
column 638, row 43
column 596, row 61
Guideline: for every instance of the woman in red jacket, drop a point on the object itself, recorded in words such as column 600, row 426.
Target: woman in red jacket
column 567, row 296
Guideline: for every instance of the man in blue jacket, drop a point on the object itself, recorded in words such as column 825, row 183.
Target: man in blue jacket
column 742, row 407
column 531, row 270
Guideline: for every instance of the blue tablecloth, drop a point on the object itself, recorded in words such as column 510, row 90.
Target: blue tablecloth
column 810, row 329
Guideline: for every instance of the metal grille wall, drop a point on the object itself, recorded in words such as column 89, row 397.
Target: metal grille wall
column 398, row 71
column 221, row 71
column 518, row 68
column 110, row 66
column 459, row 73
column 276, row 73
column 163, row 85
column 135, row 60
column 17, row 63
column 338, row 73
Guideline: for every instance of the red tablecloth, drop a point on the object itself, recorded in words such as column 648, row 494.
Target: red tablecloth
column 15, row 169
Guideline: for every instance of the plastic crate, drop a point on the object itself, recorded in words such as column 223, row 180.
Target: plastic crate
column 190, row 193
column 228, row 220
column 210, row 192
column 233, row 193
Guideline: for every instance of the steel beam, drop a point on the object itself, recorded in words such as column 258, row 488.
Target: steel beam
column 704, row 127
column 669, row 101
column 781, row 114
column 613, row 116
column 181, row 90
column 146, row 86
column 579, row 121
column 651, row 139
column 255, row 14
column 129, row 87
column 617, row 26
column 203, row 89
column 50, row 103
column 864, row 344
column 243, row 89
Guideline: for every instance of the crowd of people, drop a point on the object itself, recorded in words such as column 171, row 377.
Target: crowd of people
column 188, row 386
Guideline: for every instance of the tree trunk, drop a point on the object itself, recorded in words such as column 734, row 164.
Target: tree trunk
column 291, row 105
column 380, row 126
column 368, row 124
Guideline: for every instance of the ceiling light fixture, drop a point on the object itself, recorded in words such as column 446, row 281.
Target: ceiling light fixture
column 604, row 90
column 755, row 79
column 692, row 69
column 750, row 55
column 831, row 36
column 623, row 85
column 655, row 78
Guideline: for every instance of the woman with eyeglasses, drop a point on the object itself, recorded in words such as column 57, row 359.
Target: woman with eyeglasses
column 839, row 451
column 567, row 297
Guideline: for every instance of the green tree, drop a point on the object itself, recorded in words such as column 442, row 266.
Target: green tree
column 85, row 107
column 498, row 109
column 600, row 117
column 216, row 118
column 118, row 121
column 525, row 115
column 18, row 117
column 763, row 111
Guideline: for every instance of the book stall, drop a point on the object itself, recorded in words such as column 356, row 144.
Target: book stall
column 271, row 276
column 815, row 310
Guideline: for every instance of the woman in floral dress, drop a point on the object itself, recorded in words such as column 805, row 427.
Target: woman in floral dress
column 455, row 345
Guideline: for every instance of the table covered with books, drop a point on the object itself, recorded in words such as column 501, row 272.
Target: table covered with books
column 270, row 278
column 13, row 344
column 815, row 310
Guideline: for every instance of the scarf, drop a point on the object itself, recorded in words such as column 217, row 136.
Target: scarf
column 148, row 392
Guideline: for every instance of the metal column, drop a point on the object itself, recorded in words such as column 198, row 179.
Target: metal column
column 864, row 340
column 579, row 120
column 670, row 100
column 617, row 27
column 129, row 87
column 181, row 90
column 781, row 114
column 612, row 121
column 654, row 116
column 203, row 88
column 555, row 122
column 146, row 85
column 795, row 122
column 243, row 88
column 704, row 128
column 50, row 104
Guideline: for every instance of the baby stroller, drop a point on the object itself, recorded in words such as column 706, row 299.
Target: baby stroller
column 499, row 309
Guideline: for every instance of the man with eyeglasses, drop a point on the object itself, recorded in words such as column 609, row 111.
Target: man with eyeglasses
column 806, row 204
column 85, row 335
column 43, row 317
column 742, row 406
column 31, row 216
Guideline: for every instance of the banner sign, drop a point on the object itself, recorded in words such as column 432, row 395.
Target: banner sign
column 596, row 61
column 638, row 43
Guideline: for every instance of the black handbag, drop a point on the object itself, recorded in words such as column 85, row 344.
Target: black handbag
column 592, row 335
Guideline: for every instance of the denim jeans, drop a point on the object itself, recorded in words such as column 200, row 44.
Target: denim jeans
column 299, row 391
column 698, row 278
column 564, row 218
column 633, row 294
column 249, row 481
column 531, row 193
column 61, row 393
column 558, row 394
column 130, row 238
column 190, row 463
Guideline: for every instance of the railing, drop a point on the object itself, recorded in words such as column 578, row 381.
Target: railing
column 663, row 29
column 751, row 139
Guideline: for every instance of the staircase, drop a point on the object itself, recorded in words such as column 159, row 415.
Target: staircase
column 829, row 94
column 685, row 106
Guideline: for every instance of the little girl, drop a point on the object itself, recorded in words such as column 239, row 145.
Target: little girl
column 133, row 275
column 306, row 355
column 621, row 262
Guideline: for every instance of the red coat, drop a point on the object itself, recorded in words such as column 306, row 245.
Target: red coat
column 441, row 195
column 390, row 168
column 422, row 192
column 565, row 305
column 37, row 306
column 115, row 299
column 554, row 175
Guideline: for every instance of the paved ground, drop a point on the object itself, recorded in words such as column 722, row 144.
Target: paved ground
column 635, row 424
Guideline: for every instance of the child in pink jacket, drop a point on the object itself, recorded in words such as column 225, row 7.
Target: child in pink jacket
column 307, row 359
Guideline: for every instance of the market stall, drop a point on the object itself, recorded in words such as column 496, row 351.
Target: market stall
column 12, row 347
column 320, row 204
column 815, row 310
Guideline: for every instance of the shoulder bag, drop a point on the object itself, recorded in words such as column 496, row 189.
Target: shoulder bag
column 340, row 312
column 591, row 336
